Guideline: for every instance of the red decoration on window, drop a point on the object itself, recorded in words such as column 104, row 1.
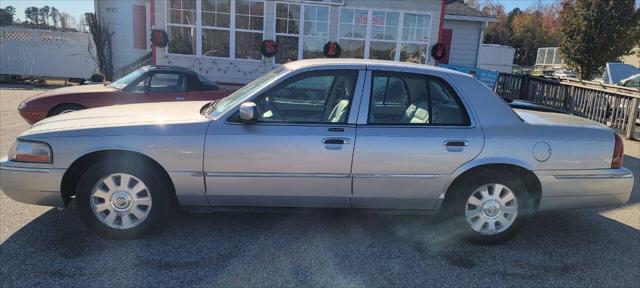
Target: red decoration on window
column 378, row 21
column 332, row 50
column 159, row 38
column 438, row 51
column 269, row 48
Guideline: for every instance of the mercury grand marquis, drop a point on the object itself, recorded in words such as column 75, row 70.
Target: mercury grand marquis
column 322, row 133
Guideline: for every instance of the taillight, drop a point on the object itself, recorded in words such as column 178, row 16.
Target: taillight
column 618, row 153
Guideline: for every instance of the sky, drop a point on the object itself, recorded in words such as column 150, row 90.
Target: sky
column 74, row 7
column 78, row 7
column 523, row 4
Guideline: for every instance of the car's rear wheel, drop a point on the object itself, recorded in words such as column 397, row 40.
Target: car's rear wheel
column 488, row 207
column 64, row 108
column 122, row 199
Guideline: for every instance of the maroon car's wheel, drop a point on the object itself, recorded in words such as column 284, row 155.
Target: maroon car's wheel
column 64, row 108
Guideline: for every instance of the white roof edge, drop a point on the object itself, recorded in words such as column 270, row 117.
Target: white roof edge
column 469, row 18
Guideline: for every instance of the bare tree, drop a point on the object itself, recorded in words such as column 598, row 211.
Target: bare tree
column 68, row 22
column 101, row 35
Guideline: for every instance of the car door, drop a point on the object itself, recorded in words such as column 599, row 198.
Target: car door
column 403, row 157
column 156, row 86
column 293, row 155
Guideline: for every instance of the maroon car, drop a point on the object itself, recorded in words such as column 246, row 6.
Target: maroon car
column 147, row 84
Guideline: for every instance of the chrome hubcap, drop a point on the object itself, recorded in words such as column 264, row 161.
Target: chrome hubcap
column 491, row 209
column 120, row 201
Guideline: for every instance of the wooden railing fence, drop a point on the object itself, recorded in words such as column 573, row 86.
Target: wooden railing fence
column 614, row 106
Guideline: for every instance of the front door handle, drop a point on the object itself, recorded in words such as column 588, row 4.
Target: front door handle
column 179, row 98
column 336, row 141
column 456, row 143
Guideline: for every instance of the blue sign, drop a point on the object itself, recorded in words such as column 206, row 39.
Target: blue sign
column 487, row 77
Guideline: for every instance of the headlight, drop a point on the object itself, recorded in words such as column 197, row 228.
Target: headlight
column 28, row 151
column 22, row 105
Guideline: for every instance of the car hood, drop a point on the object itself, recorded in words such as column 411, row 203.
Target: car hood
column 162, row 113
column 80, row 89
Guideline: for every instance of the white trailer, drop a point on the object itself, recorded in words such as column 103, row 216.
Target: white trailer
column 44, row 53
column 496, row 57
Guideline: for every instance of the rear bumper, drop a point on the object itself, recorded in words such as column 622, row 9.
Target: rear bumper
column 29, row 184
column 565, row 189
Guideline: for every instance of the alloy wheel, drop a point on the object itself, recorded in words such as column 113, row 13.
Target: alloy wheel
column 491, row 209
column 120, row 201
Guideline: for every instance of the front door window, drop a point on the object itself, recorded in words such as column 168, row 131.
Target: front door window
column 315, row 98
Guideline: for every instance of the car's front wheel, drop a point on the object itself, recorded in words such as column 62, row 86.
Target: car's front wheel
column 489, row 207
column 64, row 108
column 122, row 199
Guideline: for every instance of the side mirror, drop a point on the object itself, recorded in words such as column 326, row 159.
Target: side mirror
column 248, row 112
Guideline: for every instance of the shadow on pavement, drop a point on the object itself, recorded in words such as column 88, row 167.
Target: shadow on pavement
column 325, row 248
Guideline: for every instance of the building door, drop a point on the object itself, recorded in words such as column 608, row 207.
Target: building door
column 446, row 36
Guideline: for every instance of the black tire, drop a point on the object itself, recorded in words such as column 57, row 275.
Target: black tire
column 64, row 108
column 158, row 187
column 454, row 206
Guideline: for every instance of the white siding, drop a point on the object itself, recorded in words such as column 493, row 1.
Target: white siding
column 119, row 15
column 464, row 42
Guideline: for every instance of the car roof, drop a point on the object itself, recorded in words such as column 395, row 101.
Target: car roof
column 168, row 67
column 369, row 63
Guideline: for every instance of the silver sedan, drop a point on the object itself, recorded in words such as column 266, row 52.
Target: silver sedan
column 322, row 133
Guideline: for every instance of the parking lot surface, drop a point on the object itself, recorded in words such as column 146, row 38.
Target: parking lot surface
column 40, row 246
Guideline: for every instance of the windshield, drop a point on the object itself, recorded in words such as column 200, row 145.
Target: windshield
column 233, row 99
column 127, row 79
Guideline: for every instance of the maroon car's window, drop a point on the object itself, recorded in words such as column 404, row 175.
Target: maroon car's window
column 166, row 82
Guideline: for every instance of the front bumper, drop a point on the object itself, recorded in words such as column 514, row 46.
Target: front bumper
column 32, row 116
column 565, row 189
column 31, row 184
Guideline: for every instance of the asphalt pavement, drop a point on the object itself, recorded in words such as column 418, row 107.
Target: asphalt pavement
column 41, row 246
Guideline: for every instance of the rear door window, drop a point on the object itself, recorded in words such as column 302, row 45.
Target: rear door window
column 414, row 99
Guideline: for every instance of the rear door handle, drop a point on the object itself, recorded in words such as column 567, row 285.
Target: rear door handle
column 179, row 98
column 336, row 141
column 456, row 143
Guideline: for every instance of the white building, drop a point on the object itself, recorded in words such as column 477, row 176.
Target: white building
column 221, row 38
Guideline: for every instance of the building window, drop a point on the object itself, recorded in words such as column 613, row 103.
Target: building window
column 223, row 25
column 316, row 31
column 216, row 24
column 287, row 32
column 249, row 29
column 301, row 31
column 353, row 32
column 181, row 27
column 416, row 29
column 384, row 35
